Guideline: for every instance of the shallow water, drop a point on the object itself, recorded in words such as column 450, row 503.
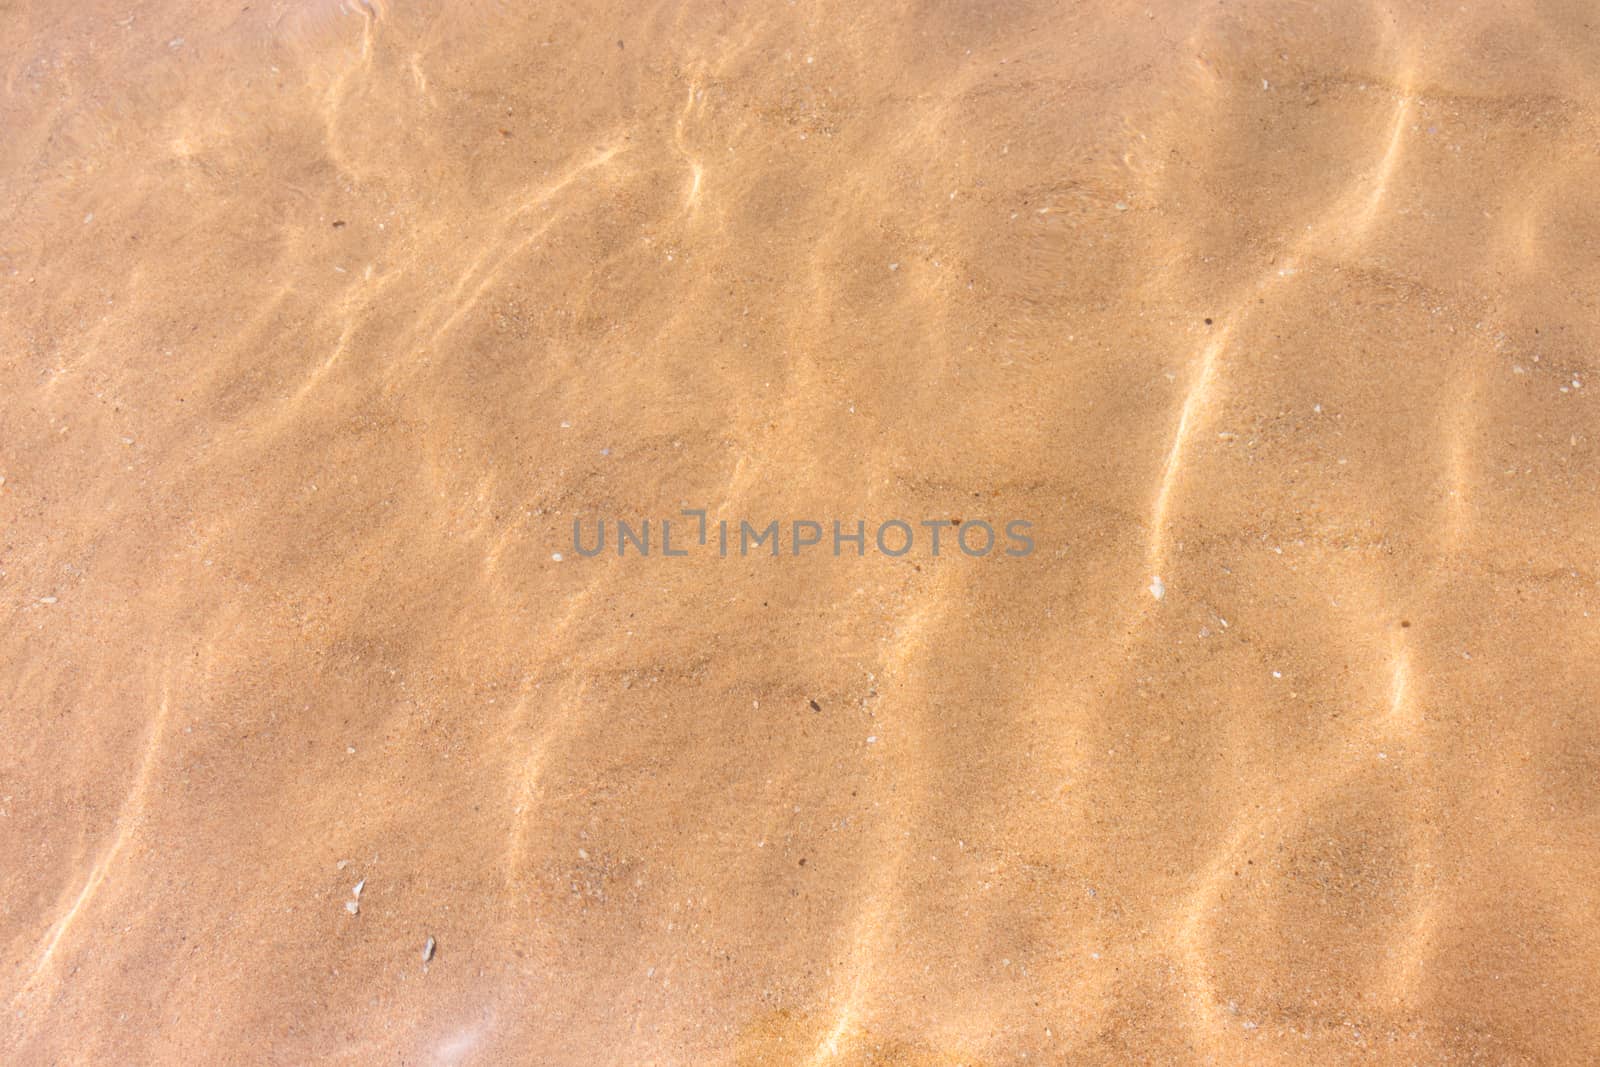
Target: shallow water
column 321, row 324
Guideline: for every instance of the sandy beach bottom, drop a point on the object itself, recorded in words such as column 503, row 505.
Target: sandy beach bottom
column 1275, row 323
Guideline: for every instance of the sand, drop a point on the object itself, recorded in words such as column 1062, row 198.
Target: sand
column 320, row 326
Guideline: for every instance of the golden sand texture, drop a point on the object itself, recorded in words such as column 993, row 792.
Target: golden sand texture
column 320, row 325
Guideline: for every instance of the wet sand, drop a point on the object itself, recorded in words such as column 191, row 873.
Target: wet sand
column 321, row 325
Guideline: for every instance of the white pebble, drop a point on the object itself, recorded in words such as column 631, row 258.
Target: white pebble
column 1157, row 588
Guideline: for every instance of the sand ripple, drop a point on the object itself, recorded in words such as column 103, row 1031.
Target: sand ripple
column 322, row 322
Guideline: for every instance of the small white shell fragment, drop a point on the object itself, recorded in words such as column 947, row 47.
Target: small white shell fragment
column 427, row 950
column 359, row 886
column 352, row 907
column 1157, row 588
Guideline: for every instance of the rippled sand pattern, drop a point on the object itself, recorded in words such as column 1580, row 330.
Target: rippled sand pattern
column 320, row 324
